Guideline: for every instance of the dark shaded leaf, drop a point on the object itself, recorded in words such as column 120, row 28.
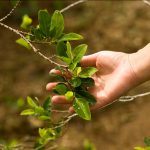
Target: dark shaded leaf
column 47, row 103
column 86, row 95
column 44, row 22
column 56, row 77
column 75, row 82
column 60, row 89
column 87, row 82
column 61, row 49
column 147, row 141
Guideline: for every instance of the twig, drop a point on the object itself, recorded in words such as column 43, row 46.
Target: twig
column 60, row 111
column 131, row 98
column 34, row 49
column 146, row 2
column 11, row 12
column 72, row 5
column 65, row 122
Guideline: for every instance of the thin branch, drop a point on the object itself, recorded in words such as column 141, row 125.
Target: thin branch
column 146, row 2
column 131, row 98
column 72, row 5
column 34, row 49
column 11, row 12
column 60, row 111
column 65, row 121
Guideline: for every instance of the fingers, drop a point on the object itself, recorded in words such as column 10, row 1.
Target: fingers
column 88, row 61
column 57, row 99
column 51, row 85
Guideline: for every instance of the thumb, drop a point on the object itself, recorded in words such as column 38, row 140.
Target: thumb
column 89, row 60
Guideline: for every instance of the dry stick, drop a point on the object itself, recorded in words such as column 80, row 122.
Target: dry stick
column 34, row 49
column 131, row 98
column 146, row 2
column 11, row 12
column 72, row 5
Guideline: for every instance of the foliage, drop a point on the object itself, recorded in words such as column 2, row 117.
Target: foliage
column 51, row 29
column 147, row 143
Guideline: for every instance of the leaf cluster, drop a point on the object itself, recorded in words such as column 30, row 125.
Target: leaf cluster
column 74, row 80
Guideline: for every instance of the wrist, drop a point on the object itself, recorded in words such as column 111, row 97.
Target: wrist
column 140, row 63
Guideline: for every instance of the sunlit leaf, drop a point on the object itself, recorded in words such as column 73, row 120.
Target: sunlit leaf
column 79, row 52
column 26, row 22
column 87, row 72
column 57, row 24
column 31, row 102
column 23, row 43
column 69, row 95
column 71, row 37
column 28, row 112
column 81, row 107
column 69, row 52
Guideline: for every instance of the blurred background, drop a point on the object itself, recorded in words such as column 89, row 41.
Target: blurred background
column 106, row 25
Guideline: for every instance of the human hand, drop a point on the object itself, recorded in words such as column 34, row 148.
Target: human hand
column 113, row 78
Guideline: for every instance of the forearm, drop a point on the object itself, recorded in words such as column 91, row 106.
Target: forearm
column 140, row 62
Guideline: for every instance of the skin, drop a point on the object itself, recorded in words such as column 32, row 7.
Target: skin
column 117, row 73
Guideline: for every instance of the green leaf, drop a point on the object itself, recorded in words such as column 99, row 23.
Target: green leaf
column 81, row 107
column 87, row 82
column 28, row 112
column 79, row 52
column 31, row 102
column 75, row 82
column 61, row 49
column 71, row 37
column 76, row 71
column 56, row 77
column 26, row 22
column 69, row 95
column 87, row 72
column 44, row 118
column 57, row 24
column 69, row 52
column 47, row 103
column 37, row 34
column 14, row 2
column 147, row 141
column 60, row 89
column 65, row 59
column 23, row 43
column 72, row 66
column 39, row 110
column 42, row 132
column 139, row 148
column 86, row 95
column 44, row 22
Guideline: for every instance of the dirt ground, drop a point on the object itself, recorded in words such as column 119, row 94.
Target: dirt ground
column 106, row 25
